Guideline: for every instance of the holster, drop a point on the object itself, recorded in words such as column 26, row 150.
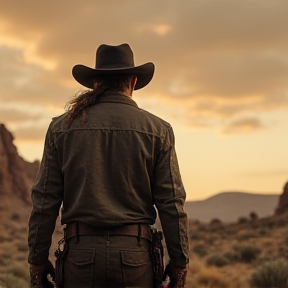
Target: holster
column 60, row 254
column 157, row 255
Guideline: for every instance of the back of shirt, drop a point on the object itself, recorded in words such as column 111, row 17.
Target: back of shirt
column 108, row 163
column 109, row 171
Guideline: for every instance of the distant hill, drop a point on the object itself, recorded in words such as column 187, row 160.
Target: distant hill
column 230, row 206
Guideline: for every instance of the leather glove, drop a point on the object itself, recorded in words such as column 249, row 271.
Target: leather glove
column 39, row 273
column 177, row 276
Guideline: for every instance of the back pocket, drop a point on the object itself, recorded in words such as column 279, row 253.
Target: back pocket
column 79, row 267
column 136, row 268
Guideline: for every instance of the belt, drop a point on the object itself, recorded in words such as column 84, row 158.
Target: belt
column 80, row 229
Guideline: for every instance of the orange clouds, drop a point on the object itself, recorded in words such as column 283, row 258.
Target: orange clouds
column 205, row 51
column 220, row 80
column 244, row 125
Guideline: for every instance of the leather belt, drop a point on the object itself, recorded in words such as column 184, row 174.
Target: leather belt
column 80, row 229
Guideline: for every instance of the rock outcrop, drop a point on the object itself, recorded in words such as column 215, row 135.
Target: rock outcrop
column 282, row 207
column 16, row 174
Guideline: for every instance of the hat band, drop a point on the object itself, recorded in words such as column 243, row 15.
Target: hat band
column 114, row 66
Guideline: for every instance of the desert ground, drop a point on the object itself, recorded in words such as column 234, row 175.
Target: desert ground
column 222, row 255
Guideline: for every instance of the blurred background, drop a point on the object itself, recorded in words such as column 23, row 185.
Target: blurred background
column 221, row 79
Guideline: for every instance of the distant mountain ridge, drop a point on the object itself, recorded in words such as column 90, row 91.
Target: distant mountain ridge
column 230, row 206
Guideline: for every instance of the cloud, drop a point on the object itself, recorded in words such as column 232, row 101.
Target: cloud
column 243, row 125
column 246, row 75
column 26, row 122
column 159, row 29
column 10, row 114
column 220, row 59
column 30, row 131
column 217, row 113
column 26, row 83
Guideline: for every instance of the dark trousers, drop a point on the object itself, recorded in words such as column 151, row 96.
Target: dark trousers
column 108, row 262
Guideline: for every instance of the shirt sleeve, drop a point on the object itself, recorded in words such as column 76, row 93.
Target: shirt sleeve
column 47, row 195
column 169, row 196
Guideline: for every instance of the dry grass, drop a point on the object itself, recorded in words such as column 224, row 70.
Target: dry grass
column 267, row 239
column 14, row 269
column 246, row 245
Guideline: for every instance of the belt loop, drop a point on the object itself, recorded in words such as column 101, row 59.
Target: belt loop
column 139, row 232
column 76, row 232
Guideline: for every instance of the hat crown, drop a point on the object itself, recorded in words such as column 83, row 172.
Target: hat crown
column 108, row 57
column 114, row 60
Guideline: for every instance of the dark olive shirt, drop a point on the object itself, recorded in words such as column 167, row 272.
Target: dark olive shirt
column 109, row 171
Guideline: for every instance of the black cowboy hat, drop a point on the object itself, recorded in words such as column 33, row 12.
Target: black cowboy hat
column 114, row 60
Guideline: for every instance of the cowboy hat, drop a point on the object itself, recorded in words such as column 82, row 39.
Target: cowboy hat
column 114, row 60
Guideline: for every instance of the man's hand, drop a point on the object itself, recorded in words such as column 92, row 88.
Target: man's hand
column 177, row 276
column 39, row 273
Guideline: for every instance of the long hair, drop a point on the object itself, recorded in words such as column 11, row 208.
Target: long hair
column 79, row 104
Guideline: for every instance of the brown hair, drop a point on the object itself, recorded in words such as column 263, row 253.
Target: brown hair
column 79, row 104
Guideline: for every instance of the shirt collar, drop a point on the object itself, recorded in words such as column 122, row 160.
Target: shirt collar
column 116, row 98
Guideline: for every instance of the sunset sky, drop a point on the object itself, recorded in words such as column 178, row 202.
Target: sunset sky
column 221, row 79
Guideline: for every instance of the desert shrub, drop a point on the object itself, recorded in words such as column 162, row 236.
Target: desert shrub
column 200, row 250
column 285, row 236
column 24, row 229
column 211, row 278
column 270, row 274
column 217, row 260
column 245, row 236
column 248, row 253
column 21, row 258
column 263, row 232
column 232, row 256
column 4, row 238
column 202, row 228
column 253, row 216
column 8, row 280
column 211, row 239
column 216, row 221
column 283, row 250
column 194, row 235
column 216, row 226
column 5, row 254
column 18, row 270
column 268, row 222
column 15, row 216
column 281, row 222
column 243, row 220
column 22, row 246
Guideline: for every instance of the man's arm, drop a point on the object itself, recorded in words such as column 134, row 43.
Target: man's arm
column 169, row 196
column 47, row 194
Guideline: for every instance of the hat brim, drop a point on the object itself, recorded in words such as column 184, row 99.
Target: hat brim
column 85, row 75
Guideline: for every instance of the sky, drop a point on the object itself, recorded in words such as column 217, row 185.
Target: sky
column 221, row 79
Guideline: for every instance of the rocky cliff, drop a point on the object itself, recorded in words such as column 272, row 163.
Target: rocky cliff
column 16, row 174
column 282, row 207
